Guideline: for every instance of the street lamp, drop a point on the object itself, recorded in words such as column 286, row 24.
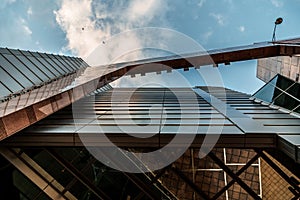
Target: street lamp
column 278, row 21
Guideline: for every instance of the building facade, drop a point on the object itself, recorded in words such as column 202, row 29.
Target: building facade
column 62, row 139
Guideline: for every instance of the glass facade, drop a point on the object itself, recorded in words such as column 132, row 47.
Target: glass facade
column 281, row 91
column 51, row 149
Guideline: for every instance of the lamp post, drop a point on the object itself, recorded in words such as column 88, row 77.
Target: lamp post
column 278, row 21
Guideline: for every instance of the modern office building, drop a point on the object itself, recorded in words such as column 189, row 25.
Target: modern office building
column 63, row 137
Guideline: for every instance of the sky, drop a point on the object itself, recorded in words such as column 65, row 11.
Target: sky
column 78, row 27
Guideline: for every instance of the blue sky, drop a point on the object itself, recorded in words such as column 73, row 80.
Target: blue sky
column 76, row 27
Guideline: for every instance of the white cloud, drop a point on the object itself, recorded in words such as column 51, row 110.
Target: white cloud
column 242, row 28
column 29, row 11
column 219, row 18
column 201, row 3
column 24, row 27
column 27, row 30
column 277, row 3
column 87, row 23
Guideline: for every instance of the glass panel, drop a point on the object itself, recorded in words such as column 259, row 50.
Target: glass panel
column 61, row 64
column 297, row 110
column 4, row 50
column 41, row 66
column 266, row 93
column 15, row 73
column 283, row 83
column 295, row 90
column 57, row 67
column 286, row 101
column 3, row 90
column 49, row 67
column 23, row 69
column 33, row 68
column 70, row 63
column 9, row 82
column 76, row 61
column 14, row 51
column 62, row 60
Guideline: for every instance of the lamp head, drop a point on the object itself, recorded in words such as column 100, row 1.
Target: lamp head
column 279, row 20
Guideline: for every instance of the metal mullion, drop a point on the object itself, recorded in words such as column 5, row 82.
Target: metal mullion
column 25, row 65
column 296, row 108
column 67, row 63
column 190, row 183
column 133, row 178
column 76, row 61
column 49, row 64
column 245, row 167
column 74, row 180
column 85, row 64
column 277, row 169
column 286, row 93
column 71, row 61
column 6, row 86
column 18, row 69
column 37, row 172
column 77, row 174
column 11, row 77
column 42, row 63
column 233, row 176
column 269, row 82
column 34, row 64
column 54, row 63
column 55, row 67
column 55, row 59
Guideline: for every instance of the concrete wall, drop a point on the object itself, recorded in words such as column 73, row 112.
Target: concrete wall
column 287, row 66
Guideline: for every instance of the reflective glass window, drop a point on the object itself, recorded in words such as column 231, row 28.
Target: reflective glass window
column 9, row 82
column 60, row 63
column 4, row 51
column 294, row 90
column 31, row 76
column 42, row 60
column 15, row 73
column 284, row 83
column 57, row 67
column 297, row 110
column 266, row 93
column 36, row 70
column 286, row 101
column 62, row 60
column 4, row 91
column 70, row 63
column 77, row 61
column 41, row 66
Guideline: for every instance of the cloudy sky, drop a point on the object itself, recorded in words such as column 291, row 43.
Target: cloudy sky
column 77, row 27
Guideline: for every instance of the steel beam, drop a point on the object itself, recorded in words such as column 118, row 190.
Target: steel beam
column 190, row 183
column 290, row 180
column 36, row 174
column 233, row 176
column 76, row 173
column 245, row 167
